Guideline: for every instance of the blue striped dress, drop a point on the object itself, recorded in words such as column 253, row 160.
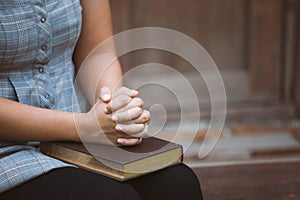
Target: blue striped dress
column 37, row 40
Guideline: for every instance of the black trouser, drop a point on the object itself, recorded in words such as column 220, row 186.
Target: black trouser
column 177, row 182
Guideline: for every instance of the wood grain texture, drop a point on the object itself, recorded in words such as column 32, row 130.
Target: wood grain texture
column 121, row 15
column 265, row 46
column 257, row 37
column 122, row 21
column 216, row 24
column 277, row 152
column 275, row 181
column 257, row 129
column 288, row 76
column 297, row 79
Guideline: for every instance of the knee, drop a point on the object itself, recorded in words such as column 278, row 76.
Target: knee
column 184, row 174
column 176, row 182
column 186, row 180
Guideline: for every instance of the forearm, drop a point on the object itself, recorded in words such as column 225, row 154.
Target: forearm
column 98, row 71
column 96, row 28
column 20, row 122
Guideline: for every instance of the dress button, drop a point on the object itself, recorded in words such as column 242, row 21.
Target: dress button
column 43, row 19
column 47, row 96
column 44, row 47
column 41, row 70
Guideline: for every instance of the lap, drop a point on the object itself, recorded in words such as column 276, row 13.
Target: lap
column 72, row 183
column 177, row 182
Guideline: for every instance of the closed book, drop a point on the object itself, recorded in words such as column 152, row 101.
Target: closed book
column 120, row 163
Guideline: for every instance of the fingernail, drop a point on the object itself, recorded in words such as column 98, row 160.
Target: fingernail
column 105, row 97
column 115, row 118
column 135, row 92
column 119, row 128
column 105, row 110
column 120, row 140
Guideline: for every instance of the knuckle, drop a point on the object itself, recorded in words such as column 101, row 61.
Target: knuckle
column 142, row 119
column 139, row 110
column 145, row 117
column 133, row 115
column 139, row 101
column 148, row 115
column 130, row 118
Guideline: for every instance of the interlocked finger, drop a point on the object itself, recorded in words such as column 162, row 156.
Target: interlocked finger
column 129, row 142
column 143, row 134
column 135, row 102
column 125, row 91
column 105, row 94
column 143, row 118
column 130, row 129
column 128, row 116
column 117, row 103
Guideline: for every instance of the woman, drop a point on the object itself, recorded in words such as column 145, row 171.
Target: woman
column 38, row 39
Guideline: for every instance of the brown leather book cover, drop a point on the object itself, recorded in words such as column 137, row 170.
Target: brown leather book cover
column 120, row 163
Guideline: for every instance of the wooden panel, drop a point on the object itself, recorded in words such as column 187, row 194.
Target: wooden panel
column 122, row 21
column 274, row 181
column 289, row 47
column 297, row 79
column 265, row 18
column 216, row 24
column 121, row 15
column 248, row 37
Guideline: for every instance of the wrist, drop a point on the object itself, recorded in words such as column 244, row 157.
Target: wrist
column 91, row 126
column 68, row 130
column 84, row 126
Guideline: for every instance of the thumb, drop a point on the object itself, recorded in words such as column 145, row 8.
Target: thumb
column 105, row 94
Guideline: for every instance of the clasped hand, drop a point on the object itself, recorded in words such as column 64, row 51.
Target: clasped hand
column 121, row 117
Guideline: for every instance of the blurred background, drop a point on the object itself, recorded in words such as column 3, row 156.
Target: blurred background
column 256, row 46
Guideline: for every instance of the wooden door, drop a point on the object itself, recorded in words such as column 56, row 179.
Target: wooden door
column 253, row 43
